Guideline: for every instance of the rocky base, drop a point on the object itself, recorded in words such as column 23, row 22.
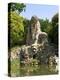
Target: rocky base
column 27, row 54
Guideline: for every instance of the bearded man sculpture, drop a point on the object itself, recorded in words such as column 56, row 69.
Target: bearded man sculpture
column 37, row 46
column 34, row 32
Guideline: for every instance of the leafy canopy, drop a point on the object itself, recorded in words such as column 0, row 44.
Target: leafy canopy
column 16, row 28
column 16, row 7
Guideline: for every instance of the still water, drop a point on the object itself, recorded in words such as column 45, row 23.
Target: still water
column 38, row 70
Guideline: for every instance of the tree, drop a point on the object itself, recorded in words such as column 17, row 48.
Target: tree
column 19, row 7
column 15, row 29
column 45, row 25
column 26, row 23
column 53, row 34
column 15, row 24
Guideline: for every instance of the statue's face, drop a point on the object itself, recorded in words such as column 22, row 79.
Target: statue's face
column 33, row 28
column 33, row 31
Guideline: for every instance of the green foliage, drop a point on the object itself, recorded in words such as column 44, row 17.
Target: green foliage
column 26, row 23
column 15, row 24
column 55, row 20
column 45, row 25
column 19, row 7
column 53, row 34
column 15, row 28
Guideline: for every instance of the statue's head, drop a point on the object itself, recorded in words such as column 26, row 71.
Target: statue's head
column 35, row 26
column 34, row 19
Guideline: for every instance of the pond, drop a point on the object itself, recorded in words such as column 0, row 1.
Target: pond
column 18, row 70
column 38, row 70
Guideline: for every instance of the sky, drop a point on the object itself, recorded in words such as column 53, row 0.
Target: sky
column 41, row 11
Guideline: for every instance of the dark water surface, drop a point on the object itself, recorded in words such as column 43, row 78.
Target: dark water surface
column 18, row 70
column 38, row 70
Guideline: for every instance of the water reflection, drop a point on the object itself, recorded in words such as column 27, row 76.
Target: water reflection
column 38, row 70
column 53, row 68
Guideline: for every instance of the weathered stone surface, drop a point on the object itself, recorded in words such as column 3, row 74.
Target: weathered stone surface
column 37, row 45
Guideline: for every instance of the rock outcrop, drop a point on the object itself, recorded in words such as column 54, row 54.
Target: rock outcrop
column 37, row 46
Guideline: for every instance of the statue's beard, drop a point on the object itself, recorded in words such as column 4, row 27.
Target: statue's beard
column 33, row 34
column 35, row 37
